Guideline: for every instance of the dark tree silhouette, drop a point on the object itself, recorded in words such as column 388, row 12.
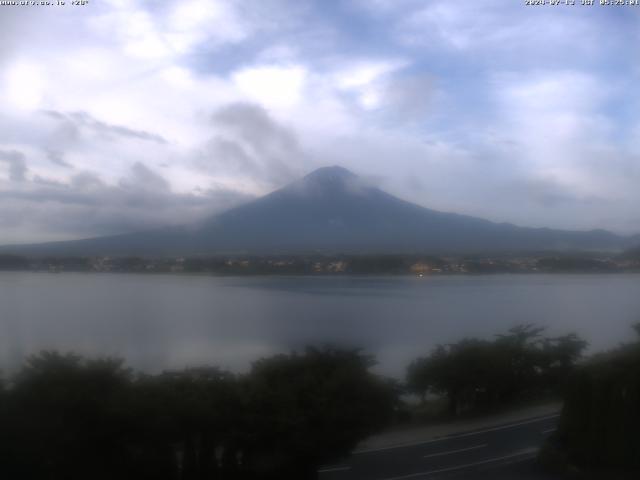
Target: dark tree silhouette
column 312, row 408
column 475, row 374
column 66, row 417
column 62, row 419
column 601, row 415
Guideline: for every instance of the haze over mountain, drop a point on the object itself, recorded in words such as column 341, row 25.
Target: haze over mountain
column 333, row 210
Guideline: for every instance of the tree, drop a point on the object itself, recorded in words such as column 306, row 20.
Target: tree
column 463, row 372
column 63, row 420
column 67, row 417
column 559, row 357
column 474, row 374
column 600, row 419
column 13, row 262
column 312, row 408
column 186, row 417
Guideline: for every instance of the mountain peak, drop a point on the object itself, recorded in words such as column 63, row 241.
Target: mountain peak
column 332, row 170
column 333, row 173
column 326, row 181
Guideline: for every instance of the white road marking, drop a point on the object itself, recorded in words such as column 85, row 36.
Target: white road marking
column 452, row 437
column 334, row 469
column 460, row 467
column 544, row 432
column 450, row 452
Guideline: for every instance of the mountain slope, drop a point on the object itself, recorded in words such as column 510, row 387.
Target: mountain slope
column 332, row 210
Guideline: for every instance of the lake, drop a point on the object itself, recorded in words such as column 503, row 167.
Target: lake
column 166, row 321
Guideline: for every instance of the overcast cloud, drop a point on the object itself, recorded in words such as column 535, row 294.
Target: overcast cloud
column 123, row 115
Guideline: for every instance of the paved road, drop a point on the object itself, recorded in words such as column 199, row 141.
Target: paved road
column 504, row 451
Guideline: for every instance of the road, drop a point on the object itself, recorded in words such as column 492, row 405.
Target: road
column 503, row 451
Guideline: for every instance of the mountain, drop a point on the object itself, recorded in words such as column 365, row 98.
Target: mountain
column 333, row 210
column 632, row 253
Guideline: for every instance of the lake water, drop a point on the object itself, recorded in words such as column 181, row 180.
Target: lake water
column 166, row 321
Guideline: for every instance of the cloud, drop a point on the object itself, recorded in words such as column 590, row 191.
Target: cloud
column 143, row 178
column 411, row 96
column 171, row 30
column 57, row 157
column 368, row 80
column 24, row 85
column 274, row 86
column 250, row 143
column 486, row 26
column 557, row 120
column 16, row 163
column 364, row 73
column 87, row 206
column 401, row 98
column 87, row 121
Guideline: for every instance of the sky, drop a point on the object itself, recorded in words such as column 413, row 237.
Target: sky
column 126, row 115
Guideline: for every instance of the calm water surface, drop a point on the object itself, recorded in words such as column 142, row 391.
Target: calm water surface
column 165, row 321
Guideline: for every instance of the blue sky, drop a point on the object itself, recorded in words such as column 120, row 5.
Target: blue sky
column 122, row 115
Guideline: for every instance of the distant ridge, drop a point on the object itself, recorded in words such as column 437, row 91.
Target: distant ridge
column 333, row 210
